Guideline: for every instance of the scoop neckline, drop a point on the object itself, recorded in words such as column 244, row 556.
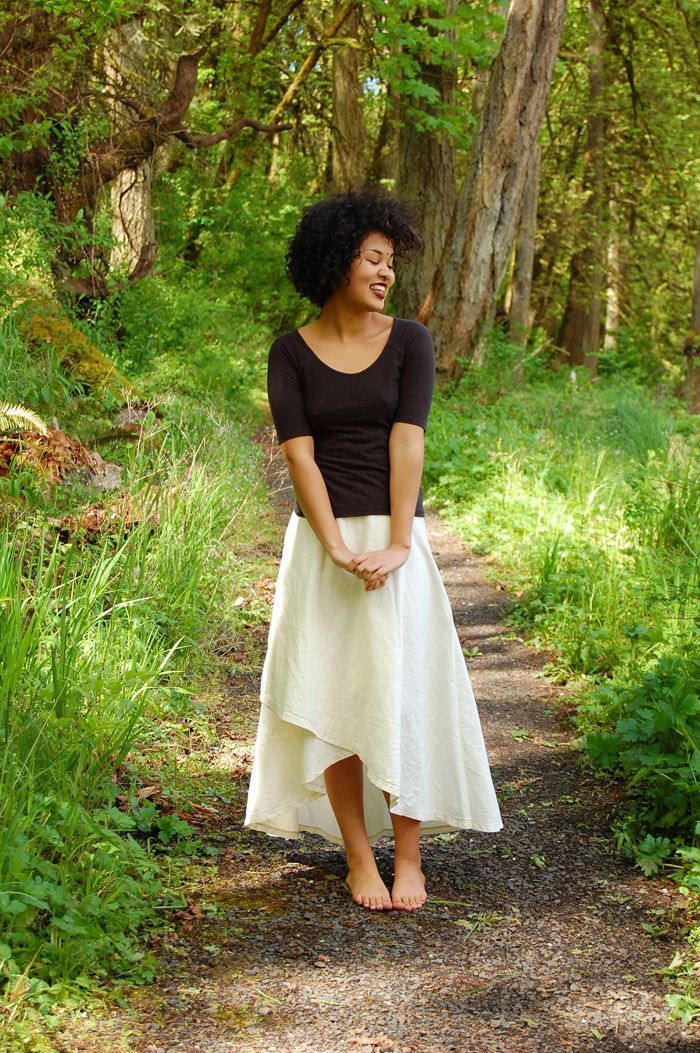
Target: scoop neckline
column 359, row 372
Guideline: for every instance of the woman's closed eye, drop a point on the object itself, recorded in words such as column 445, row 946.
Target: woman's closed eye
column 376, row 262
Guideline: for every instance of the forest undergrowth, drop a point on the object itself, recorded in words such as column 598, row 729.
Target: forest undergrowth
column 585, row 493
column 116, row 608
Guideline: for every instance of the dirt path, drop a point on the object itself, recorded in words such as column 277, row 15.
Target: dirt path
column 532, row 940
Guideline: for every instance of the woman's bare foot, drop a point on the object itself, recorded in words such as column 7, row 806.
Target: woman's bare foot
column 408, row 891
column 368, row 889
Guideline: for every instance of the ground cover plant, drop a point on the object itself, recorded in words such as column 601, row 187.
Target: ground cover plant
column 586, row 493
column 112, row 605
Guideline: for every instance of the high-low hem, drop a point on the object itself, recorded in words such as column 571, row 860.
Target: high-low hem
column 432, row 823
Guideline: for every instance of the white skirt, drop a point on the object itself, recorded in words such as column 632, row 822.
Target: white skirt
column 379, row 674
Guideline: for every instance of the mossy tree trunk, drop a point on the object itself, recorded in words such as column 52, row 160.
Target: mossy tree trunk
column 580, row 336
column 348, row 129
column 486, row 215
column 521, row 282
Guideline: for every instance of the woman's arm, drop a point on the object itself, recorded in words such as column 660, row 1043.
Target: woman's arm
column 406, row 445
column 312, row 495
column 406, row 468
column 286, row 395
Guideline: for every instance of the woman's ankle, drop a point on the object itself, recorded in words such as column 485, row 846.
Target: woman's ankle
column 360, row 857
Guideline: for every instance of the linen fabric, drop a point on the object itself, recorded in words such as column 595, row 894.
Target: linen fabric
column 379, row 674
column 349, row 415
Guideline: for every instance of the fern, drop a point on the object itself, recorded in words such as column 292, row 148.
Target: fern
column 19, row 418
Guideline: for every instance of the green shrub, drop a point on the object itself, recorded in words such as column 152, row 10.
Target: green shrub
column 655, row 744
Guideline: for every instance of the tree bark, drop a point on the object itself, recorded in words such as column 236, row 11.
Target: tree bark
column 386, row 148
column 483, row 224
column 581, row 325
column 519, row 321
column 427, row 180
column 613, row 297
column 348, row 129
column 133, row 227
column 690, row 389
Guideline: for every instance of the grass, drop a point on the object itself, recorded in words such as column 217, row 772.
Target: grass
column 105, row 644
column 586, row 495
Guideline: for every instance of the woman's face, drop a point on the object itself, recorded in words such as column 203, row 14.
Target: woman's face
column 371, row 273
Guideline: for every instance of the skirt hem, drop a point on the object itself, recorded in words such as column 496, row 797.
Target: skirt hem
column 265, row 823
column 432, row 831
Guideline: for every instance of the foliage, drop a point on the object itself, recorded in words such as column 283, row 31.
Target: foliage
column 410, row 36
column 655, row 743
column 19, row 418
column 588, row 493
column 97, row 642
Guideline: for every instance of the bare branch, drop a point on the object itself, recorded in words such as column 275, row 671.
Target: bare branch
column 312, row 58
column 196, row 139
column 170, row 116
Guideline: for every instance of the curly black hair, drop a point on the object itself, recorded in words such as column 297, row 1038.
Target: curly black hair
column 331, row 231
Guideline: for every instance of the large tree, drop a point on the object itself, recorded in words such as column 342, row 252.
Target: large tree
column 484, row 221
column 88, row 102
column 581, row 326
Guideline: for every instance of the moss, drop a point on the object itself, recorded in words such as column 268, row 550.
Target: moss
column 268, row 900
column 237, row 1018
column 42, row 321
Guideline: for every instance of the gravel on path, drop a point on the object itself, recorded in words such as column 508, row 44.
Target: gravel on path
column 531, row 942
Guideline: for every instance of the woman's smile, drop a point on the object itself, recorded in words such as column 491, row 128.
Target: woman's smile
column 372, row 269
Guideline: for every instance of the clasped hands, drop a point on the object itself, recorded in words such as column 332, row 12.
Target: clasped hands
column 373, row 568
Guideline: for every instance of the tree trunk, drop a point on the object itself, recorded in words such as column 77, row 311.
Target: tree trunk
column 613, row 298
column 485, row 217
column 426, row 179
column 133, row 227
column 690, row 389
column 519, row 321
column 348, row 132
column 386, row 148
column 581, row 325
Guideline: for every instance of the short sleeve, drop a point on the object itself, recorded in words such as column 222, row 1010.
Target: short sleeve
column 417, row 377
column 285, row 393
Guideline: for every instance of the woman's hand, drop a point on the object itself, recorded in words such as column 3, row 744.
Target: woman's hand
column 344, row 558
column 375, row 567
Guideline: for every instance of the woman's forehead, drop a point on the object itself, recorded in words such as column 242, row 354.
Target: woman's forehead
column 377, row 242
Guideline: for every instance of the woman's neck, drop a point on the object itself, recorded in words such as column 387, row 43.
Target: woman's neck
column 341, row 322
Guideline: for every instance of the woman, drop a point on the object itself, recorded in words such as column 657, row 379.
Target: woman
column 368, row 722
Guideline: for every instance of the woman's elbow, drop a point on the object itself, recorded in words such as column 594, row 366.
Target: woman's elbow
column 297, row 452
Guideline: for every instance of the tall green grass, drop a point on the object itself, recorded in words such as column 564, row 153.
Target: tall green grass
column 99, row 639
column 587, row 495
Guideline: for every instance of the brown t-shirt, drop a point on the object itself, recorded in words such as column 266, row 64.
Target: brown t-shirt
column 349, row 415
